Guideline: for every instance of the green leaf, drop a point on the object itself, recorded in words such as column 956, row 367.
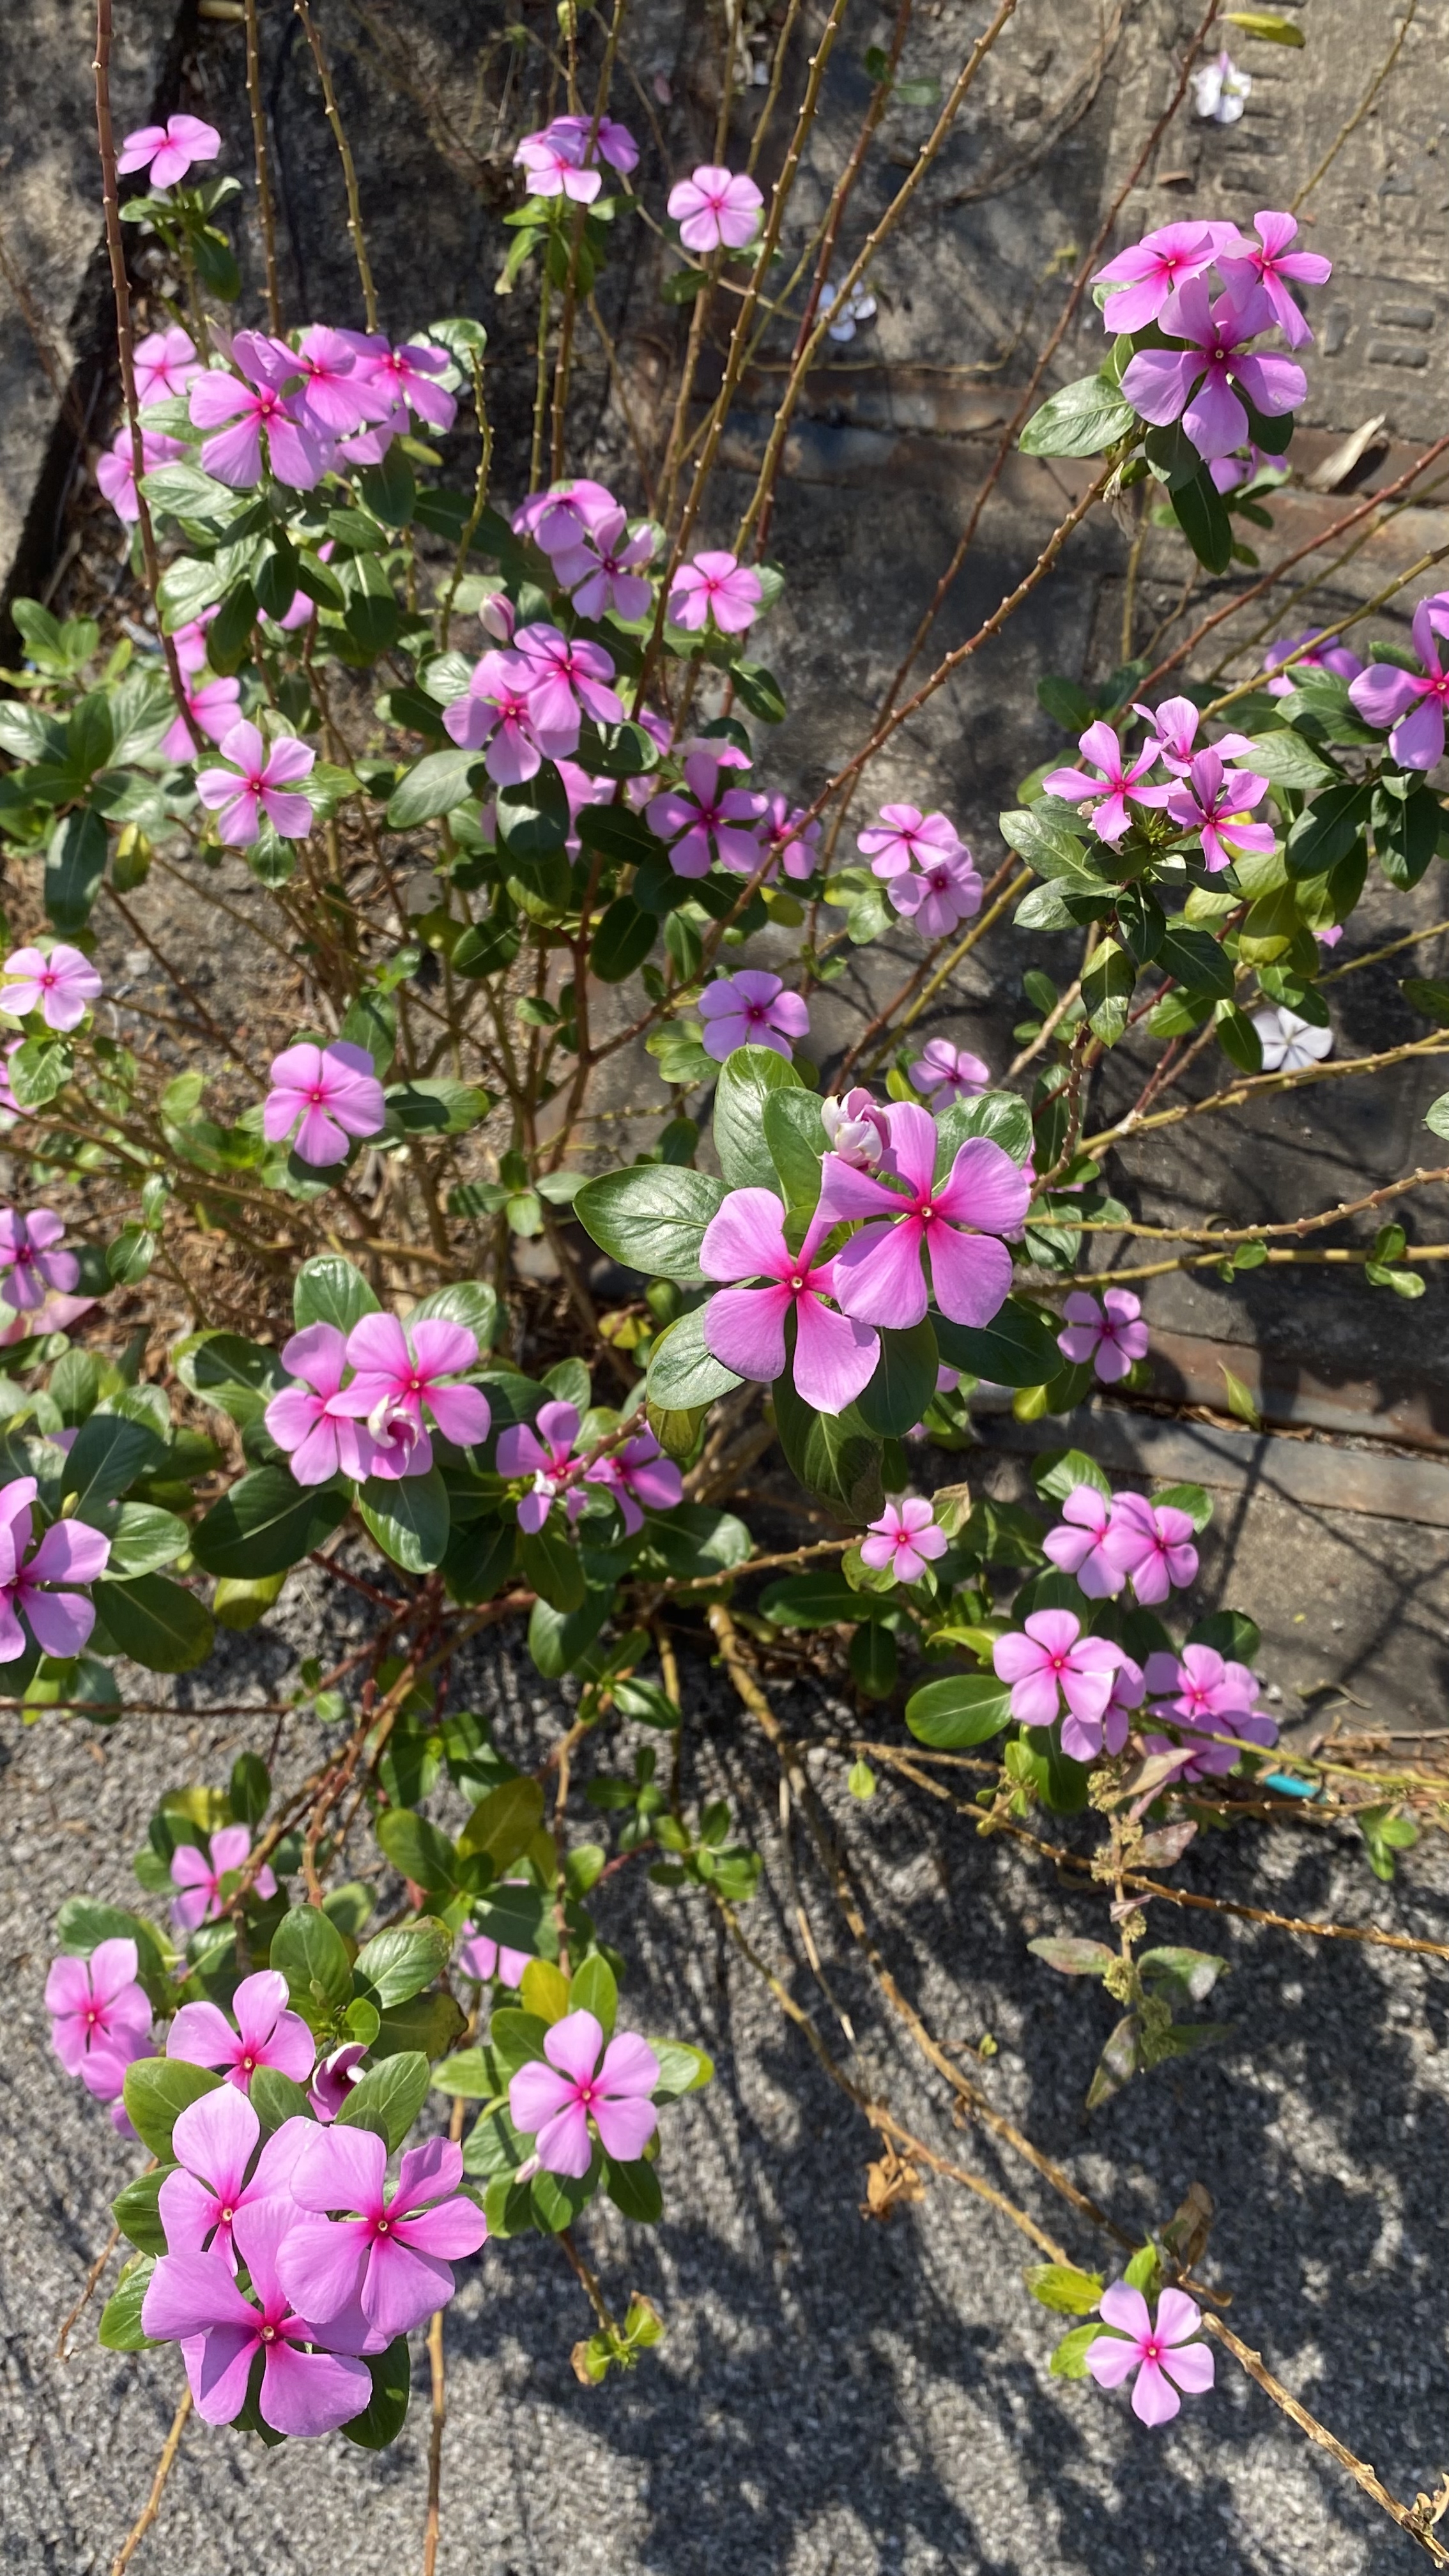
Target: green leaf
column 328, row 1290
column 558, row 2198
column 143, row 1538
column 652, row 1217
column 594, row 1990
column 1017, row 1348
column 156, row 1623
column 746, row 1082
column 108, row 1454
column 1107, row 990
column 409, row 1518
column 551, row 1564
column 998, row 1115
column 74, row 866
column 436, row 786
column 276, row 2100
column 418, row 1851
column 504, row 1823
column 396, row 1965
column 904, row 1381
column 470, row 1302
column 558, row 1638
column 622, row 940
column 873, row 1662
column 267, row 1523
column 120, row 2326
column 389, row 2098
column 684, row 1374
column 1267, row 26
column 795, row 1137
column 1198, row 961
column 1286, row 760
column 682, row 2069
column 964, row 1708
column 820, row 1599
column 1202, row 516
column 830, row 1455
column 1061, row 2287
column 1326, row 830
column 471, row 2076
column 385, row 2413
column 1081, row 420
column 136, row 2213
column 1069, row 2360
column 309, row 1951
column 157, row 2091
column 634, row 2189
column 533, row 818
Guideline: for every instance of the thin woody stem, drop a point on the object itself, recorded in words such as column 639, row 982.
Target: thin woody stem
column 262, row 160
column 349, row 172
column 164, row 2467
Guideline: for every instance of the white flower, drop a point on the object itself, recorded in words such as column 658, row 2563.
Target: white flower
column 1219, row 89
column 858, row 306
column 1289, row 1044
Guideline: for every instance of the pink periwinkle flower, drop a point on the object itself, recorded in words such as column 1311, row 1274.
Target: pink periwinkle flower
column 1211, row 1695
column 1269, row 263
column 406, row 377
column 554, row 2102
column 219, row 2173
column 481, row 1957
column 702, row 818
column 192, row 2299
column 399, row 1373
column 265, row 397
column 321, row 1438
column 335, row 1093
column 394, row 2257
column 1110, row 1335
column 744, row 1327
column 858, row 1131
column 1196, row 384
column 100, row 2017
column 61, row 986
column 340, row 392
column 553, row 166
column 168, row 150
column 116, row 469
column 258, row 782
column 613, row 142
column 1412, row 703
column 1214, row 802
column 497, row 710
column 947, row 893
column 714, row 209
column 199, row 1876
column 165, row 363
column 905, row 838
column 70, row 1552
column 568, row 681
column 640, row 1478
column 716, row 585
column 602, row 567
column 544, row 1450
column 214, row 706
column 1160, row 2353
column 1078, row 1546
column 879, row 1274
column 334, row 2078
column 906, row 1537
column 1311, row 656
column 1152, row 1543
column 29, row 1261
column 1048, row 1656
column 561, row 518
column 1106, row 789
column 266, row 2033
column 794, row 841
column 751, row 1009
column 1086, row 1739
column 1149, row 274
column 948, row 1073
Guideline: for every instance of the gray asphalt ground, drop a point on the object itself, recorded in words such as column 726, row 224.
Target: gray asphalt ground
column 833, row 2397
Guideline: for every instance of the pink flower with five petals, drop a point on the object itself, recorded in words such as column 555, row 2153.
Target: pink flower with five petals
column 321, row 1437
column 1160, row 2352
column 218, row 2171
column 266, row 2033
column 905, row 838
column 1111, row 1335
column 1078, row 1546
column 265, row 397
column 399, row 1373
column 1268, row 263
column 335, row 1093
column 192, row 2300
column 744, row 1327
column 257, row 783
column 956, row 1223
column 715, row 209
column 394, row 2258
column 555, row 2101
column 1413, row 703
column 1147, row 276
column 70, row 1552
column 61, row 985
column 497, row 709
column 716, row 585
column 1050, row 1656
column 906, row 1538
column 100, row 2017
column 1120, row 777
column 199, row 1876
column 751, row 1009
column 1201, row 385
column 168, row 150
column 640, row 1478
column 702, row 818
column 1151, row 1543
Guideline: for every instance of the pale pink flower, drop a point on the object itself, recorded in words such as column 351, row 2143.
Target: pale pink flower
column 218, row 2172
column 165, row 363
column 1152, row 1543
column 306, row 1419
column 558, row 520
column 1107, row 789
column 601, row 567
column 906, row 838
column 335, row 1093
column 100, row 2018
column 714, row 209
column 266, row 2033
column 1213, row 802
column 70, row 1552
column 1411, row 702
column 1196, row 384
column 947, row 893
column 544, row 1450
column 702, row 818
column 1161, row 2355
column 1267, row 263
column 744, row 1327
column 399, row 1373
column 1110, row 1335
column 199, row 1874
column 29, row 1260
column 555, row 2102
column 395, row 2258
column 168, row 150
column 116, row 469
column 640, row 1478
column 267, row 400
column 497, row 710
column 256, row 783
column 553, row 167
column 406, row 376
column 1052, row 1655
column 906, row 1537
column 1148, row 275
column 1078, row 1545
column 879, row 1273
column 948, row 1073
column 716, row 585
column 61, row 985
column 750, row 1009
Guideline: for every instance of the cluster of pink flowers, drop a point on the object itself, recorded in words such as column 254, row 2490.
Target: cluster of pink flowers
column 1110, row 1334
column 637, row 1473
column 1108, row 1543
column 332, row 1090
column 578, row 2082
column 1213, row 371
column 372, row 1423
column 751, row 1009
column 562, row 158
column 100, row 2020
column 1204, row 798
column 583, row 531
column 929, row 873
column 526, row 703
column 339, row 395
